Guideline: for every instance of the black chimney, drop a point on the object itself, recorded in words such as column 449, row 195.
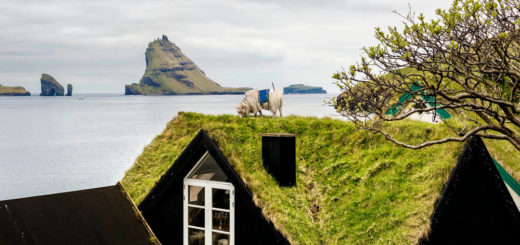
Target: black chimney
column 279, row 157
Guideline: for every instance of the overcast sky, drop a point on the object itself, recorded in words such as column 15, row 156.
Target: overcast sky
column 99, row 46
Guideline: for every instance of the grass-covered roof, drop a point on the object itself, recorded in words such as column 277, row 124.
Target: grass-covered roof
column 352, row 187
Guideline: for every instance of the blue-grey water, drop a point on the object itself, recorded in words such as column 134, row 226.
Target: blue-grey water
column 57, row 144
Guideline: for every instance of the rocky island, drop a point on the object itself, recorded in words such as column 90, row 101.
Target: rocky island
column 303, row 89
column 170, row 72
column 50, row 87
column 69, row 90
column 13, row 91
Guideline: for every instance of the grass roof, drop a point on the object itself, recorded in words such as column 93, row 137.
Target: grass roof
column 352, row 187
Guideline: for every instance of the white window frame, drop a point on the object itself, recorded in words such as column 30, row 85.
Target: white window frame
column 208, row 202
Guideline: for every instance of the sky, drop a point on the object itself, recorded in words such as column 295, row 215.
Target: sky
column 99, row 46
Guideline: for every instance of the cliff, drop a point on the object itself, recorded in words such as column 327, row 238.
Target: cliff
column 13, row 91
column 50, row 87
column 170, row 72
column 303, row 89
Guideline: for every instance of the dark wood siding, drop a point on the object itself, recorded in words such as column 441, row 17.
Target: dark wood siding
column 475, row 206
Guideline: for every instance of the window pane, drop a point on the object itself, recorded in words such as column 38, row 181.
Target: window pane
column 196, row 216
column 220, row 239
column 196, row 195
column 220, row 220
column 208, row 169
column 220, row 198
column 195, row 237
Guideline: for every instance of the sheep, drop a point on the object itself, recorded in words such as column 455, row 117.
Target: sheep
column 251, row 105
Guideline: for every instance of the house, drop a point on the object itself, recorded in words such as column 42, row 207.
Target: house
column 94, row 216
column 479, row 203
column 202, row 198
column 428, row 102
column 416, row 98
column 346, row 186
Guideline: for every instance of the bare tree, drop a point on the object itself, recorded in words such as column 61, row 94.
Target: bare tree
column 467, row 59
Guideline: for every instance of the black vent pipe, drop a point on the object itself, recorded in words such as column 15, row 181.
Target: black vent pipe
column 279, row 157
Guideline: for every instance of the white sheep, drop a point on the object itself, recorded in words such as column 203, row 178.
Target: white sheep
column 251, row 105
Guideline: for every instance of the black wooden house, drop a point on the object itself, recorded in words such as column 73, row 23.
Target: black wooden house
column 477, row 203
column 202, row 198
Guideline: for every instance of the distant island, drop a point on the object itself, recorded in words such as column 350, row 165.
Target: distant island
column 51, row 87
column 170, row 72
column 303, row 89
column 13, row 91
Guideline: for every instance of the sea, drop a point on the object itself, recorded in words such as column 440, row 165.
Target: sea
column 58, row 144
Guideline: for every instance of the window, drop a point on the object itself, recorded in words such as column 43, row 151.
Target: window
column 208, row 205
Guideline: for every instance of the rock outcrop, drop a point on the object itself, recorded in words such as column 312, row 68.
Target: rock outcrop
column 13, row 91
column 170, row 72
column 50, row 87
column 303, row 89
column 69, row 89
column 345, row 102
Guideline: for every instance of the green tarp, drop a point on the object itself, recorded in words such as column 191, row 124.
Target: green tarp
column 510, row 181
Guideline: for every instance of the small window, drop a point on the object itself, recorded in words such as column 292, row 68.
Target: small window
column 207, row 169
column 208, row 205
column 196, row 195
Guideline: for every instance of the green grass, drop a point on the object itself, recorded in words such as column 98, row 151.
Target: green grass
column 352, row 187
column 6, row 90
column 51, row 79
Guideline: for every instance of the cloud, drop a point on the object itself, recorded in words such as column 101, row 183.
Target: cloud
column 99, row 45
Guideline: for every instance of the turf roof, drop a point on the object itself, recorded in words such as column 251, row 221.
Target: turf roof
column 352, row 187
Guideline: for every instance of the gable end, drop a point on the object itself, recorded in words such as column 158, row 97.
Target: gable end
column 475, row 205
column 163, row 205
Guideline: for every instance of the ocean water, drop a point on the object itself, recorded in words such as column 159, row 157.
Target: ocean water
column 57, row 144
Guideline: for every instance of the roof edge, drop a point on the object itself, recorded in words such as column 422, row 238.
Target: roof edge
column 138, row 214
column 59, row 193
column 149, row 197
column 507, row 177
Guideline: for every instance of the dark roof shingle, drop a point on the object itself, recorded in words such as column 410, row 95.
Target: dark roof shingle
column 94, row 216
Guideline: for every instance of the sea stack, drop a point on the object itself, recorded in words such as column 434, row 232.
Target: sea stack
column 170, row 72
column 69, row 89
column 50, row 87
